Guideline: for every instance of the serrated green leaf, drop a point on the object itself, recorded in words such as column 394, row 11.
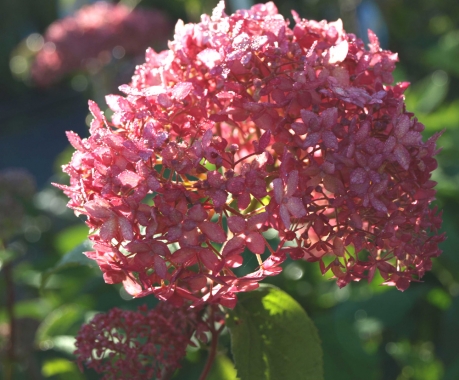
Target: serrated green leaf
column 74, row 258
column 273, row 338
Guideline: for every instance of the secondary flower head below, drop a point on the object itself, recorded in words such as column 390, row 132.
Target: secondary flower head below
column 142, row 344
column 246, row 124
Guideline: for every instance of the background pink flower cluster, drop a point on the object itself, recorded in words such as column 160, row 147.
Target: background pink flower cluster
column 245, row 125
column 85, row 40
column 142, row 344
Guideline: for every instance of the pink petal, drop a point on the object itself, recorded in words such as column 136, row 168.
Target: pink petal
column 402, row 156
column 257, row 221
column 75, row 140
column 338, row 247
column 234, row 261
column 264, row 141
column 329, row 117
column 285, row 216
column 219, row 198
column 358, row 176
column 390, row 143
column 160, row 267
column 210, row 57
column 164, row 101
column 295, row 207
column 213, row 231
column 402, row 283
column 97, row 211
column 109, row 229
column 311, row 139
column 118, row 103
column 181, row 90
column 236, row 224
column 267, row 119
column 330, row 140
column 160, row 248
column 215, row 179
column 377, row 204
column 424, row 194
column 278, row 190
column 402, row 126
column 299, row 128
column 256, row 243
column 338, row 53
column 308, row 116
column 197, row 213
column 235, row 185
column 143, row 260
column 132, row 287
column 184, row 256
column 207, row 137
column 95, row 110
column 129, row 178
column 174, row 233
column 125, row 227
column 114, row 276
column 411, row 138
column 292, row 183
column 151, row 228
column 333, row 184
column 356, row 221
column 374, row 41
column 243, row 200
column 363, row 132
column 153, row 183
column 235, row 246
column 209, row 259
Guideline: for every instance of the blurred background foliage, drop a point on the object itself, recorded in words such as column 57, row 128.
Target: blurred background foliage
column 368, row 332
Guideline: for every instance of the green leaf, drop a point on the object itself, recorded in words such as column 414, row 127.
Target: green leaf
column 69, row 238
column 6, row 255
column 57, row 366
column 222, row 369
column 273, row 338
column 74, row 258
column 58, row 323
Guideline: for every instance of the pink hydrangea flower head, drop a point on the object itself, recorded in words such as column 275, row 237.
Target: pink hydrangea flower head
column 245, row 125
column 142, row 344
column 85, row 40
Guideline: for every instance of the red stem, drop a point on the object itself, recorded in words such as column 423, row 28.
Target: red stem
column 213, row 346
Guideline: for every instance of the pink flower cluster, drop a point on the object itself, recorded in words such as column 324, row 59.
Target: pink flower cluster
column 245, row 125
column 142, row 344
column 85, row 41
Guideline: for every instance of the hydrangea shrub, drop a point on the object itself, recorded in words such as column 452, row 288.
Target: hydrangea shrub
column 248, row 124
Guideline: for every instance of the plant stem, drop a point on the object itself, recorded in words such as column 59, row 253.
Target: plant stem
column 211, row 357
column 213, row 346
column 10, row 356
